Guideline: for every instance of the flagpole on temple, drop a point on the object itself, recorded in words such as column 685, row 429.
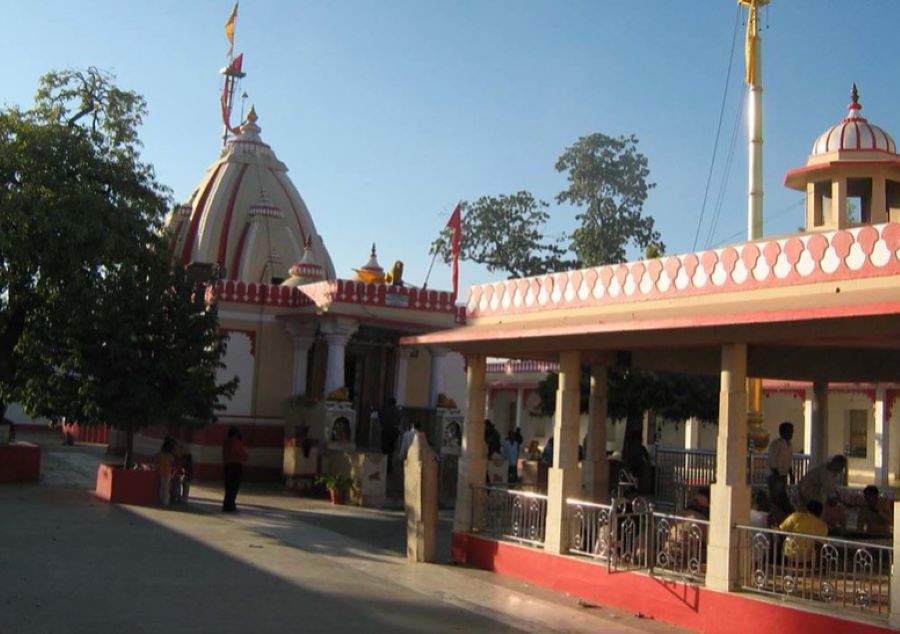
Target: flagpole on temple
column 232, row 73
column 757, row 435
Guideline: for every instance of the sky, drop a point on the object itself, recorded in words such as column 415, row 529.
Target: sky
column 388, row 112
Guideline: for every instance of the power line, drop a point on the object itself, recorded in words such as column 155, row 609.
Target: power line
column 712, row 162
column 726, row 173
column 777, row 214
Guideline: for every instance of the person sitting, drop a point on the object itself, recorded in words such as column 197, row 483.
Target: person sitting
column 870, row 519
column 808, row 522
column 760, row 509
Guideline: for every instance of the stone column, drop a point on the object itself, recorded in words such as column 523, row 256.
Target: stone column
column 520, row 407
column 882, row 439
column 819, row 424
column 436, row 385
column 808, row 408
column 562, row 478
column 894, row 614
column 420, row 492
column 303, row 334
column 400, row 371
column 473, row 462
column 692, row 433
column 730, row 495
column 337, row 331
column 595, row 467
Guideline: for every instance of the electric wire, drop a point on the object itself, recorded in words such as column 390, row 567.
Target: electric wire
column 712, row 162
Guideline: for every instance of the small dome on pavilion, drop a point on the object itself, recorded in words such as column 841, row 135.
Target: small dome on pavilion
column 306, row 271
column 854, row 133
column 372, row 271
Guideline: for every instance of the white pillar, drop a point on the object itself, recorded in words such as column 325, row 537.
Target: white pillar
column 400, row 371
column 819, row 424
column 303, row 334
column 692, row 433
column 882, row 439
column 562, row 479
column 337, row 331
column 809, row 405
column 473, row 461
column 520, row 407
column 894, row 614
column 436, row 385
column 730, row 495
column 595, row 467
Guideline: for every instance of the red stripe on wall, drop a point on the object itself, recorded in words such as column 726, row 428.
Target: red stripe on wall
column 195, row 217
column 238, row 254
column 226, row 227
column 293, row 208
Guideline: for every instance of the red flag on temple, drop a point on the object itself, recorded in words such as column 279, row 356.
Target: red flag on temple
column 455, row 223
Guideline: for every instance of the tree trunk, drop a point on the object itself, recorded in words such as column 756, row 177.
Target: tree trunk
column 129, row 447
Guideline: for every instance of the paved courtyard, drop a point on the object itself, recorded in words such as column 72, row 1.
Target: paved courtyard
column 70, row 563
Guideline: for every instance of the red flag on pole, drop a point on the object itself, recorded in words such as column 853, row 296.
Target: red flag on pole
column 455, row 223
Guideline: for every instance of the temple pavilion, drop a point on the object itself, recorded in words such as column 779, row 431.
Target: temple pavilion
column 814, row 308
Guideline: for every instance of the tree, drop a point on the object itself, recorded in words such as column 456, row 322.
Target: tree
column 95, row 325
column 632, row 392
column 505, row 233
column 608, row 178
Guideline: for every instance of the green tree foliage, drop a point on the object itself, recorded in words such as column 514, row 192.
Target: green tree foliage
column 95, row 325
column 506, row 234
column 608, row 183
column 608, row 180
column 632, row 392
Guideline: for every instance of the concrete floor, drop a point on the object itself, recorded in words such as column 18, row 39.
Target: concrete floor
column 70, row 563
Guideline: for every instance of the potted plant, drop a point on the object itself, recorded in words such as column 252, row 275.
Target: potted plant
column 338, row 486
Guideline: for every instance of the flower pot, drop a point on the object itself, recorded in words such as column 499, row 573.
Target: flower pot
column 127, row 486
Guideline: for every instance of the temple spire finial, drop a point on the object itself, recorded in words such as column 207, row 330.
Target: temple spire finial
column 854, row 99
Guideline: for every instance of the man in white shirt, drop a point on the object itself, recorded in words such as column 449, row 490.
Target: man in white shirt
column 780, row 463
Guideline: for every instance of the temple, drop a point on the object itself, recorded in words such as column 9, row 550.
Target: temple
column 804, row 311
column 316, row 354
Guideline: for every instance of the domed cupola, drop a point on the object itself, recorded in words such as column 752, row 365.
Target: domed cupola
column 854, row 133
column 852, row 176
column 246, row 215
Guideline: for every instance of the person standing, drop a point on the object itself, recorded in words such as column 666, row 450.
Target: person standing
column 234, row 455
column 781, row 471
column 165, row 464
column 511, row 454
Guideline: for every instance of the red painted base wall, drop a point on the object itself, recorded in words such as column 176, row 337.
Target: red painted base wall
column 20, row 462
column 680, row 604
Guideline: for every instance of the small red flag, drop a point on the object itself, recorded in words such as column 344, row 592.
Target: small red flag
column 455, row 223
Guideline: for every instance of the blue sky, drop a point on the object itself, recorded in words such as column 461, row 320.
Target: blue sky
column 387, row 112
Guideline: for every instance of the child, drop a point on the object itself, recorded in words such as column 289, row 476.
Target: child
column 183, row 476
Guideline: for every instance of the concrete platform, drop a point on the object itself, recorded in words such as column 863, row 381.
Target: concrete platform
column 70, row 563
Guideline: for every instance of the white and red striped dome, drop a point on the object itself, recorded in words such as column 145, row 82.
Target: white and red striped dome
column 247, row 216
column 854, row 133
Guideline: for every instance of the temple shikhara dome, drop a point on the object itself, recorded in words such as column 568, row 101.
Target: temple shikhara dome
column 852, row 176
column 854, row 133
column 247, row 217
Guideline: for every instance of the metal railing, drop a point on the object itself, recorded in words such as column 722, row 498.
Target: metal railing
column 630, row 535
column 680, row 473
column 504, row 513
column 847, row 574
